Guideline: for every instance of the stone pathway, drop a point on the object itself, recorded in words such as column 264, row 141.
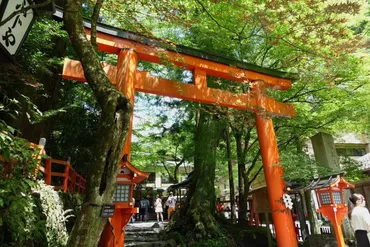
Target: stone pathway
column 145, row 234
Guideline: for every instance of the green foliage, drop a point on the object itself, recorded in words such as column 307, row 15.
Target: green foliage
column 162, row 140
column 38, row 52
column 17, row 152
column 299, row 167
column 72, row 203
column 353, row 170
column 56, row 217
column 212, row 243
column 74, row 131
column 31, row 214
column 19, row 222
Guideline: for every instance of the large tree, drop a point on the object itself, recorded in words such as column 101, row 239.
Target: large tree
column 111, row 134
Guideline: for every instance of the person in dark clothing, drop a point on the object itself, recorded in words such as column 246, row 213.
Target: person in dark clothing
column 143, row 210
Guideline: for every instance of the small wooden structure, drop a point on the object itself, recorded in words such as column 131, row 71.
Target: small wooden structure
column 128, row 176
column 329, row 192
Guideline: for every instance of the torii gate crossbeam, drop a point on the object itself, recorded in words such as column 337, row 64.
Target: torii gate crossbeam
column 128, row 80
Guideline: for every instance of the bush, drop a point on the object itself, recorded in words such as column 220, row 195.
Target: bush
column 31, row 214
column 56, row 217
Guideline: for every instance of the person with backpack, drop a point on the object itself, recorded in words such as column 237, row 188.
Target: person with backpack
column 143, row 210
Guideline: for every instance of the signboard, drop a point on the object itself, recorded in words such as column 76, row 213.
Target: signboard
column 14, row 31
column 108, row 210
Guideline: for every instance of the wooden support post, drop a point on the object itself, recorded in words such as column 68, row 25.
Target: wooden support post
column 48, row 172
column 66, row 175
column 338, row 233
column 126, row 69
column 281, row 216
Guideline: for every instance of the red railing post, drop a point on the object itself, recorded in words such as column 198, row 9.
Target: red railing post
column 73, row 186
column 48, row 172
column 66, row 176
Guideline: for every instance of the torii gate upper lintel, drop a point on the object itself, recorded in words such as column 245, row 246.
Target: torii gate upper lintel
column 128, row 80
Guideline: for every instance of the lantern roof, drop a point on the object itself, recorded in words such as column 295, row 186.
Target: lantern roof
column 139, row 175
column 334, row 180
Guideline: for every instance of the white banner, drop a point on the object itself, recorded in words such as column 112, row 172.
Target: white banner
column 13, row 31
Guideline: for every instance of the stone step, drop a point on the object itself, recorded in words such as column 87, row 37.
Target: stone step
column 141, row 233
column 148, row 244
column 145, row 234
column 134, row 238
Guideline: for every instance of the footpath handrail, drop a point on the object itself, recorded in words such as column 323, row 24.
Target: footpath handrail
column 72, row 181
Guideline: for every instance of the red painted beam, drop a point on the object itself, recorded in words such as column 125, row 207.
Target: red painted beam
column 112, row 44
column 145, row 83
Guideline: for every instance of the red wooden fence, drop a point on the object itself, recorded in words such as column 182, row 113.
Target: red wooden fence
column 72, row 182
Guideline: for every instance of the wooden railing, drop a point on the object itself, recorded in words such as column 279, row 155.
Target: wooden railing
column 72, row 181
column 69, row 180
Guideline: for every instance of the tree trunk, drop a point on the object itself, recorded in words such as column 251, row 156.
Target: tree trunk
column 231, row 175
column 312, row 217
column 197, row 215
column 243, row 182
column 112, row 131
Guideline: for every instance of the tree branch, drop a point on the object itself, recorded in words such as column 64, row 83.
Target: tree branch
column 94, row 22
column 213, row 19
column 255, row 175
column 246, row 142
column 254, row 161
column 304, row 93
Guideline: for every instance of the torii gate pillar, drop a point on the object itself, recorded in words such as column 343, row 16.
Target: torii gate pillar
column 281, row 216
column 114, row 232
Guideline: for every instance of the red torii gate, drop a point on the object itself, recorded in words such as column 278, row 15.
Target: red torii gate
column 131, row 48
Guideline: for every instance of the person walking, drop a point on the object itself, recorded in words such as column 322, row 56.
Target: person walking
column 158, row 207
column 360, row 219
column 171, row 203
column 143, row 210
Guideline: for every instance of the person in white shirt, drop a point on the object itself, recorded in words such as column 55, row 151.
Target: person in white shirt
column 159, row 208
column 360, row 219
column 171, row 203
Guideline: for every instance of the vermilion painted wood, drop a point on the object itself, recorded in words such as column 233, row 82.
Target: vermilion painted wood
column 284, row 227
column 335, row 212
column 113, row 44
column 282, row 218
column 125, row 81
column 198, row 91
column 72, row 181
column 66, row 175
